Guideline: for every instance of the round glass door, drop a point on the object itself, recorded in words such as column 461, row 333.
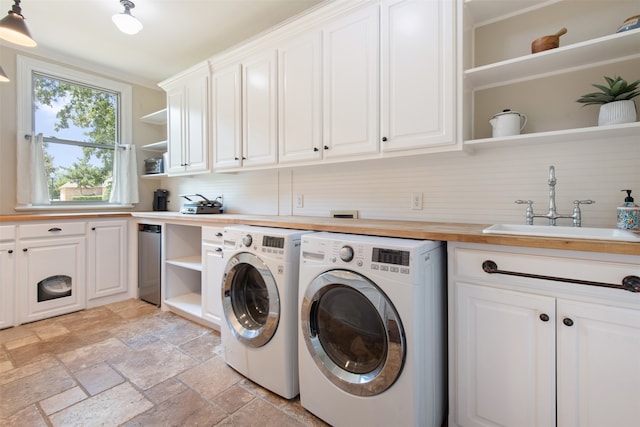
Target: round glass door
column 250, row 300
column 353, row 332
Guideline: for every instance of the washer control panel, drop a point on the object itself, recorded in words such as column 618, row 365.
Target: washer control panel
column 375, row 258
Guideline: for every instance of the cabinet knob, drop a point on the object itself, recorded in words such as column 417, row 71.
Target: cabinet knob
column 244, row 158
column 326, row 147
column 54, row 229
column 315, row 149
column 218, row 234
column 544, row 317
column 25, row 249
column 218, row 249
column 631, row 283
column 384, row 139
column 10, row 251
column 567, row 321
column 236, row 158
column 93, row 229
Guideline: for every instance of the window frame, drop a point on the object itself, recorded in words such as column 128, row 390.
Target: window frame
column 26, row 66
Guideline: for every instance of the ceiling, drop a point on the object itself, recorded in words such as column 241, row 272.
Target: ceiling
column 176, row 35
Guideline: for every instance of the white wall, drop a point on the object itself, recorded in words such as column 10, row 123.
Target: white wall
column 458, row 187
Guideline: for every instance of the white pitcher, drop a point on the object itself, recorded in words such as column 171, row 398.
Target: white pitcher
column 508, row 123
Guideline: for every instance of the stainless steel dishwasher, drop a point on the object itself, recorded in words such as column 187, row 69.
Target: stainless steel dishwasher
column 149, row 262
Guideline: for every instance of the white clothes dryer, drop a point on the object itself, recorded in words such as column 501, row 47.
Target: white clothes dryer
column 372, row 330
column 259, row 305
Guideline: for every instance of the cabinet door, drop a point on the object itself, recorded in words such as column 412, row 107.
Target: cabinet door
column 212, row 271
column 351, row 81
column 227, row 117
column 175, row 130
column 505, row 359
column 259, row 110
column 598, row 367
column 43, row 259
column 417, row 52
column 196, row 146
column 299, row 99
column 7, row 284
column 106, row 259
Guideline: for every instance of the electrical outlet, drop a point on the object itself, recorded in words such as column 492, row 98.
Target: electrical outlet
column 416, row 201
column 299, row 201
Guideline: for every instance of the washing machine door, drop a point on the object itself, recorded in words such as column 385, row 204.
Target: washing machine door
column 250, row 300
column 353, row 332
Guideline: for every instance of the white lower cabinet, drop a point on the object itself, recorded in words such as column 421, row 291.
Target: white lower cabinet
column 540, row 351
column 107, row 266
column 213, row 265
column 7, row 275
column 52, row 276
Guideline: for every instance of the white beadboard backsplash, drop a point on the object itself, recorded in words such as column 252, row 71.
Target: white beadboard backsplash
column 476, row 187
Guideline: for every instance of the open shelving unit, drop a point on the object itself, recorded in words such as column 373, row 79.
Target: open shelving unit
column 182, row 279
column 158, row 118
column 506, row 75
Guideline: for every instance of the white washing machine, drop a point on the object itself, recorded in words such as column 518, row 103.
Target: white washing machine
column 260, row 305
column 372, row 330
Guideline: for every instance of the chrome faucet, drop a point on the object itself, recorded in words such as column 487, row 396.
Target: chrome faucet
column 552, row 215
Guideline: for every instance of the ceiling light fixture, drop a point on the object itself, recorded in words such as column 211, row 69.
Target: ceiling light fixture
column 125, row 21
column 14, row 29
column 3, row 76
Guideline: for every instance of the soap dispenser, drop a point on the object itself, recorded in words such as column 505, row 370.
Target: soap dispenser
column 628, row 213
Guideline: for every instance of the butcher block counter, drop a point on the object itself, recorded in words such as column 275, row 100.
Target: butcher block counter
column 443, row 231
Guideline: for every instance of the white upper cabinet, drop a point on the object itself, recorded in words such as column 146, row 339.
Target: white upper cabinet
column 260, row 110
column 351, row 82
column 417, row 51
column 299, row 99
column 188, row 118
column 226, row 85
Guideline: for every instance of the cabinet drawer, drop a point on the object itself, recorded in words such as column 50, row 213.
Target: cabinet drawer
column 468, row 264
column 52, row 229
column 7, row 232
column 212, row 234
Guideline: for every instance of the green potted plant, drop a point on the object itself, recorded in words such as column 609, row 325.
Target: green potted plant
column 615, row 100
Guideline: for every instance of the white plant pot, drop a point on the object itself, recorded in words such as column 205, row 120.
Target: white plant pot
column 617, row 112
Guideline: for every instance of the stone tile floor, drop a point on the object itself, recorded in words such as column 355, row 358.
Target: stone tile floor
column 129, row 364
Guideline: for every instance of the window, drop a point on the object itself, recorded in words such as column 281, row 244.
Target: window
column 84, row 120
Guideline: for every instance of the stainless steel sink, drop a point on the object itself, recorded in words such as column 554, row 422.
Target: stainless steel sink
column 567, row 232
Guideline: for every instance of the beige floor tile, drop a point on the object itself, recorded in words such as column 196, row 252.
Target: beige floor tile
column 62, row 400
column 165, row 390
column 233, row 398
column 27, row 417
column 204, row 347
column 153, row 364
column 93, row 354
column 34, row 388
column 14, row 333
column 185, row 409
column 45, row 362
column 211, row 377
column 98, row 378
column 180, row 331
column 21, row 342
column 48, row 331
column 260, row 413
column 109, row 408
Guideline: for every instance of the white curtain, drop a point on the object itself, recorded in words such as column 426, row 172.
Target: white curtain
column 39, row 182
column 124, row 190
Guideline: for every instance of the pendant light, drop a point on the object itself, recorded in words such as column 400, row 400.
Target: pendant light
column 3, row 76
column 125, row 21
column 14, row 29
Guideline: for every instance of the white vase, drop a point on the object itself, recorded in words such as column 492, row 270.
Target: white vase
column 617, row 112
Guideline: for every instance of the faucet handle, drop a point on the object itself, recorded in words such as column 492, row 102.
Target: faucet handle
column 583, row 202
column 529, row 211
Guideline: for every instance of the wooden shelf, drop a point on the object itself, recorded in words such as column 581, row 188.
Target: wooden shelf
column 589, row 53
column 156, row 118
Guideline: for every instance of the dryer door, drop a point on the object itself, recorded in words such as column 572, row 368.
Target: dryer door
column 353, row 332
column 250, row 300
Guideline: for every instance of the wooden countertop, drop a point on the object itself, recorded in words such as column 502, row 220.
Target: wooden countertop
column 453, row 232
